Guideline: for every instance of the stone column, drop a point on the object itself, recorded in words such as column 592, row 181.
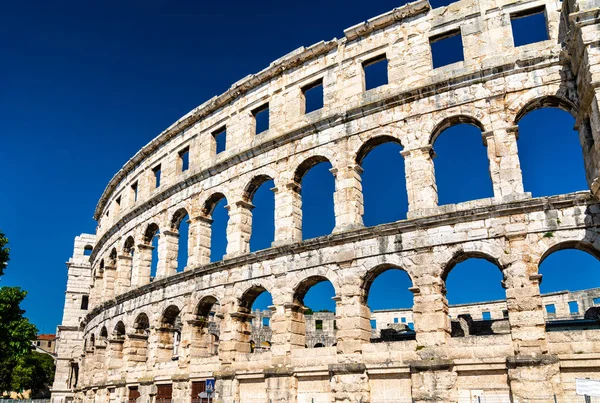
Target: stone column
column 282, row 385
column 124, row 273
column 420, row 180
column 110, row 274
column 144, row 262
column 505, row 168
column 115, row 353
column 135, row 349
column 430, row 308
column 353, row 321
column 348, row 198
column 533, row 373
column 239, row 228
column 168, row 246
column 234, row 333
column 199, row 241
column 288, row 214
column 349, row 383
column 289, row 331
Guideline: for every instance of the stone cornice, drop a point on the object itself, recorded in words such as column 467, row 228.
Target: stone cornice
column 454, row 83
column 496, row 210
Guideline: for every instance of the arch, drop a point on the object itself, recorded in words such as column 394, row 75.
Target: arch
column 206, row 306
column 462, row 255
column 151, row 231
column 319, row 345
column 87, row 250
column 119, row 330
column 170, row 315
column 141, row 324
column 306, row 284
column 211, row 202
column 177, row 218
column 453, row 121
column 250, row 295
column 548, row 101
column 372, row 143
column 103, row 332
column 254, row 184
column 571, row 244
column 306, row 165
column 129, row 246
column 373, row 273
column 92, row 340
column 113, row 257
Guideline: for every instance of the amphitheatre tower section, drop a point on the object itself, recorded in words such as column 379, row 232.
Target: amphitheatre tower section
column 156, row 328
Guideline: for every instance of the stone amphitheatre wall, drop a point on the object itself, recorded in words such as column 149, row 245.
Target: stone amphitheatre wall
column 137, row 334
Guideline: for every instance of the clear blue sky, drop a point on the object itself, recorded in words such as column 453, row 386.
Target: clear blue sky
column 86, row 84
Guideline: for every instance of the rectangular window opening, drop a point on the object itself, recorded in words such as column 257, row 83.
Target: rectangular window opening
column 505, row 313
column 403, row 320
column 446, row 48
column 573, row 307
column 376, row 72
column 596, row 301
column 486, row 315
column 529, row 26
column 266, row 321
column 87, row 251
column 395, row 320
column 373, row 324
column 261, row 118
column 134, row 190
column 184, row 159
column 156, row 170
column 411, row 326
column 85, row 300
column 220, row 137
column 319, row 324
column 313, row 96
column 551, row 309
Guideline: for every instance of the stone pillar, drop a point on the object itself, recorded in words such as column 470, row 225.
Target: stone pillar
column 289, row 331
column 144, row 262
column 420, row 180
column 430, row 307
column 135, row 349
column 124, row 273
column 199, row 241
column 505, row 168
column 239, row 228
column 349, row 383
column 282, row 385
column 234, row 333
column 353, row 322
column 168, row 246
column 533, row 373
column 433, row 379
column 348, row 198
column 288, row 214
column 114, row 353
column 110, row 274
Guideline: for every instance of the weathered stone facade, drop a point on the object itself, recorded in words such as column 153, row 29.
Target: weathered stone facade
column 158, row 337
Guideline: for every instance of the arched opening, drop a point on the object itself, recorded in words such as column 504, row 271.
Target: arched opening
column 215, row 209
column 129, row 246
column 383, row 180
column 570, row 284
column 260, row 195
column 116, row 345
column 112, row 257
column 169, row 335
column 462, row 169
column 137, row 341
column 257, row 302
column 387, row 293
column 317, row 186
column 103, row 334
column 207, row 327
column 87, row 250
column 319, row 345
column 476, row 297
column 180, row 224
column 550, row 151
column 314, row 297
column 151, row 237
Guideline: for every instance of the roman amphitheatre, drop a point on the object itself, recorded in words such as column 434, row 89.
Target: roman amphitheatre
column 128, row 335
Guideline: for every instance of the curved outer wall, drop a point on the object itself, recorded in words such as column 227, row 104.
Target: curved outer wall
column 111, row 348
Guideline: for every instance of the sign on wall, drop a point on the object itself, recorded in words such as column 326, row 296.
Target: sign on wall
column 587, row 387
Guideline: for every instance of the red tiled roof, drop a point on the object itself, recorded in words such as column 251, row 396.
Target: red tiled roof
column 46, row 337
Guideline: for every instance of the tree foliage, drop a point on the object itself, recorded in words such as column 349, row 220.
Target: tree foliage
column 34, row 371
column 3, row 252
column 16, row 332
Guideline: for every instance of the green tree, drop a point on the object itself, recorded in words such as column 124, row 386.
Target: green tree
column 33, row 371
column 16, row 332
